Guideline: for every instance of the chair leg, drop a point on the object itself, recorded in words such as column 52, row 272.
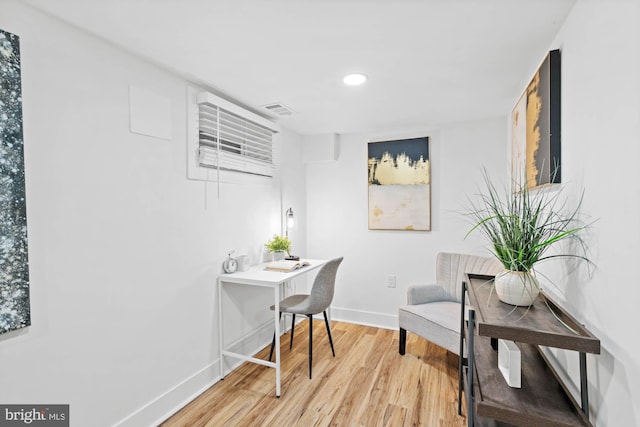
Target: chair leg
column 326, row 322
column 310, row 343
column 403, row 341
column 273, row 342
column 293, row 324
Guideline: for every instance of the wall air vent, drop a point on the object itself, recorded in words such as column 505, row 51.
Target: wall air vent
column 278, row 108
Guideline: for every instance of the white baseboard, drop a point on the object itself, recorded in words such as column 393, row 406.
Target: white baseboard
column 366, row 318
column 161, row 408
column 174, row 399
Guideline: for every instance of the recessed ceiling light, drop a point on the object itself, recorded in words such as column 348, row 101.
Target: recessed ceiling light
column 354, row 79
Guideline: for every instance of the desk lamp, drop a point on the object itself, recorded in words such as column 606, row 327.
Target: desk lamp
column 290, row 223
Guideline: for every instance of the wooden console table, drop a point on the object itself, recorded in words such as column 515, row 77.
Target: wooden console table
column 543, row 399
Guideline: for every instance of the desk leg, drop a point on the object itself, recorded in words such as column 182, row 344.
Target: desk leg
column 220, row 329
column 276, row 292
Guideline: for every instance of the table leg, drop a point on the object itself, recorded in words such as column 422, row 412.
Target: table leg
column 220, row 329
column 471, row 410
column 584, row 384
column 276, row 317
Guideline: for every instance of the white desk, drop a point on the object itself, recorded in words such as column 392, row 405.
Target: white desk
column 258, row 276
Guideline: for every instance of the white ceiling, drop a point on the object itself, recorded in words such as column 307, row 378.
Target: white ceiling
column 429, row 62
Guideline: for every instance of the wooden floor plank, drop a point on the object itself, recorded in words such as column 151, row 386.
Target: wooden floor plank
column 368, row 383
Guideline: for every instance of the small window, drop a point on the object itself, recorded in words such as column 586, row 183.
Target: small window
column 231, row 141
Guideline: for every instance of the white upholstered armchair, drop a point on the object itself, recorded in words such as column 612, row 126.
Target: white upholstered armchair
column 433, row 311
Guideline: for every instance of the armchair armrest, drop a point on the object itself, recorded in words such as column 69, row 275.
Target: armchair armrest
column 422, row 294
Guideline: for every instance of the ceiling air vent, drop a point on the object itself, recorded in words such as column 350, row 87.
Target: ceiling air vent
column 278, row 108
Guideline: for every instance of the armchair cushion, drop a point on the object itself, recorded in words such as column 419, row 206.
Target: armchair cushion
column 440, row 321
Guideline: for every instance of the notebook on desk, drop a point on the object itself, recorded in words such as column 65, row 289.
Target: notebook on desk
column 285, row 266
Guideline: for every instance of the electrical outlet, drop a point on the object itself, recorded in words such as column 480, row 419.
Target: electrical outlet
column 391, row 281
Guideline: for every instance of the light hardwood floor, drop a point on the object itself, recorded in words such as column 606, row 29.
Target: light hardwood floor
column 367, row 384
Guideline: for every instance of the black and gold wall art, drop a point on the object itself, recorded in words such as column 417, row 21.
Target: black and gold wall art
column 535, row 128
column 399, row 185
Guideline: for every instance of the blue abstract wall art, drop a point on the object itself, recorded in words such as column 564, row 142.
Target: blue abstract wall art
column 15, row 311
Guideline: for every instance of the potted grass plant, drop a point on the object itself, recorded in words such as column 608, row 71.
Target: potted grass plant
column 521, row 226
column 278, row 246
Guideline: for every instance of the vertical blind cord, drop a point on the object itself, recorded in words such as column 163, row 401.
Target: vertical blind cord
column 218, row 147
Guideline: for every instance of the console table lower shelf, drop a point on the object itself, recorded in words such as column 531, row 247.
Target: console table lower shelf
column 542, row 399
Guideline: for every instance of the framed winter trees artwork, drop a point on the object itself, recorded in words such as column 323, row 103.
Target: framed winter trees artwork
column 15, row 312
column 399, row 185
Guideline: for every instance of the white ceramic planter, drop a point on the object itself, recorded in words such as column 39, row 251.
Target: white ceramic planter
column 279, row 255
column 517, row 287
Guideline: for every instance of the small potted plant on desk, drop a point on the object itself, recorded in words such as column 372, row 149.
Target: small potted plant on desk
column 279, row 247
column 521, row 226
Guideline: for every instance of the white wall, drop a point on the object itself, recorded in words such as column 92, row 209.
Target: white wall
column 123, row 249
column 600, row 46
column 600, row 43
column 337, row 216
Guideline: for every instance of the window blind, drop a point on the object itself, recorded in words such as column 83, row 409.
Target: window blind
column 228, row 141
